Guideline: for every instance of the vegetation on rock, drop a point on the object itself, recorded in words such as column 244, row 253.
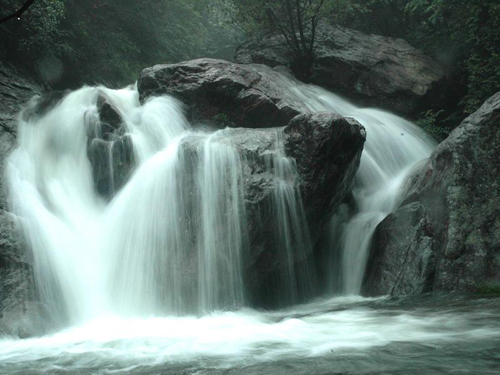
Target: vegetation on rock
column 69, row 43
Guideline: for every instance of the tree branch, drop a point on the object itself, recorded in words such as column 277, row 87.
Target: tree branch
column 301, row 28
column 19, row 13
column 292, row 25
column 283, row 31
column 314, row 24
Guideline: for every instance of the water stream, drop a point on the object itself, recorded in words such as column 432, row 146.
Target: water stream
column 119, row 273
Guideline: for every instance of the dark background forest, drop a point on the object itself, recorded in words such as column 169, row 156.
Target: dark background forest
column 67, row 43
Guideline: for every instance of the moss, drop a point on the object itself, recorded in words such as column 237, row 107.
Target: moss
column 489, row 288
column 222, row 120
column 430, row 122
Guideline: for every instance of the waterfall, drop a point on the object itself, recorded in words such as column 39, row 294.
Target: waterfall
column 172, row 239
column 141, row 230
column 392, row 147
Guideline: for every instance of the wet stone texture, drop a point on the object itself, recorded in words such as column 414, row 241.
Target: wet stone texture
column 266, row 119
column 20, row 313
column 446, row 234
column 370, row 69
column 110, row 150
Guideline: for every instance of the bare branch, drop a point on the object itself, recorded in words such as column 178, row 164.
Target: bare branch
column 301, row 27
column 292, row 24
column 283, row 31
column 19, row 13
column 314, row 24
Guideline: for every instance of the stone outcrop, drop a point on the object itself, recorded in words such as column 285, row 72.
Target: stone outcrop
column 267, row 120
column 20, row 313
column 370, row 69
column 110, row 150
column 222, row 93
column 268, row 125
column 446, row 234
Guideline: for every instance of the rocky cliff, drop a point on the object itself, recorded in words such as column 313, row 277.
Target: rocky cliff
column 20, row 313
column 446, row 234
column 370, row 69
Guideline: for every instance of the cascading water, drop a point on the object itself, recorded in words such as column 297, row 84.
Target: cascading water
column 142, row 273
column 392, row 147
column 139, row 247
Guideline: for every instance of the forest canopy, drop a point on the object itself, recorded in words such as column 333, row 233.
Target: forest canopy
column 67, row 43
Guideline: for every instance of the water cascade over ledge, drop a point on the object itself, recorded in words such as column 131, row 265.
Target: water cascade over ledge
column 144, row 266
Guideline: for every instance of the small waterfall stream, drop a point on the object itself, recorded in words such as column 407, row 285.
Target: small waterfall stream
column 393, row 146
column 181, row 203
column 152, row 275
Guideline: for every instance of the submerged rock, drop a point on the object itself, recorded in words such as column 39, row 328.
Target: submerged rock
column 446, row 235
column 371, row 69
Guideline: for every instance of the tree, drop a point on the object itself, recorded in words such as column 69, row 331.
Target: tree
column 296, row 21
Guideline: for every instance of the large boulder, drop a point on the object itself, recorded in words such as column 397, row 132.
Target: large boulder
column 446, row 234
column 19, row 309
column 370, row 69
column 324, row 149
column 221, row 92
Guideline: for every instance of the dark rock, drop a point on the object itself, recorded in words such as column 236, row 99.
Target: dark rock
column 109, row 116
column 110, row 150
column 249, row 96
column 326, row 149
column 402, row 254
column 18, row 300
column 112, row 164
column 370, row 69
column 458, row 224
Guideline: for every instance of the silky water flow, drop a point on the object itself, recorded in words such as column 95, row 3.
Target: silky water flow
column 152, row 276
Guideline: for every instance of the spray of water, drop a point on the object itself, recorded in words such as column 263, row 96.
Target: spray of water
column 138, row 253
column 172, row 240
column 392, row 147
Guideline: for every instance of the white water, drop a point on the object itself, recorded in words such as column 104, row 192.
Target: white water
column 392, row 147
column 340, row 328
column 103, row 265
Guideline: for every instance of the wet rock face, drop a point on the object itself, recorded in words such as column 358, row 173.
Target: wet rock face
column 268, row 124
column 326, row 148
column 223, row 93
column 457, row 225
column 371, row 69
column 110, row 150
column 18, row 306
column 402, row 258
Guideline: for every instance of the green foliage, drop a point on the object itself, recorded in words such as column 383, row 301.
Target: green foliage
column 489, row 289
column 295, row 20
column 429, row 121
column 37, row 34
column 463, row 35
column 110, row 41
